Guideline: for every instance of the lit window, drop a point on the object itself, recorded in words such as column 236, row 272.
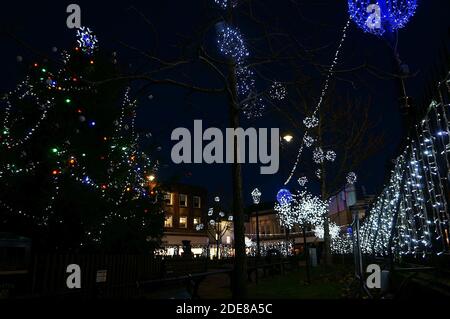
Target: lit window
column 183, row 222
column 228, row 240
column 197, row 220
column 183, row 200
column 196, row 202
column 168, row 223
column 168, row 198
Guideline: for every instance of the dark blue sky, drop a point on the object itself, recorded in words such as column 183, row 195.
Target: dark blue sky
column 42, row 26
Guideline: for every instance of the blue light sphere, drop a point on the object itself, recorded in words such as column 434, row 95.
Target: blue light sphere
column 284, row 197
column 379, row 16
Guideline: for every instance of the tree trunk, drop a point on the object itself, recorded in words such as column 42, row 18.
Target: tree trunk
column 327, row 260
column 240, row 264
column 305, row 247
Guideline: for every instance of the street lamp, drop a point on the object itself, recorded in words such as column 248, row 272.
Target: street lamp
column 256, row 195
column 288, row 138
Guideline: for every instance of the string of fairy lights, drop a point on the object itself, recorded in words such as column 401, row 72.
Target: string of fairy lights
column 284, row 247
column 417, row 191
column 312, row 120
column 377, row 19
column 410, row 217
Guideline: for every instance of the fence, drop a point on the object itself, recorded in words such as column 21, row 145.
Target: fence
column 102, row 276
column 411, row 216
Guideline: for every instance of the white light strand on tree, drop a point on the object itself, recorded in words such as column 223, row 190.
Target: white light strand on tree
column 22, row 91
column 265, row 247
column 334, row 231
column 303, row 209
column 322, row 96
column 342, row 245
column 232, row 45
column 410, row 216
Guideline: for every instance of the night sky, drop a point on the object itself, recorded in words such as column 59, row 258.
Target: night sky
column 42, row 25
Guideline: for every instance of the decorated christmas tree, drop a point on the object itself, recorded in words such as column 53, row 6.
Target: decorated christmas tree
column 72, row 174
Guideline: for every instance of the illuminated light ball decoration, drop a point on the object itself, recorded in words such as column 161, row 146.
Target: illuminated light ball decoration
column 302, row 181
column 284, row 197
column 318, row 155
column 351, row 178
column 224, row 4
column 308, row 140
column 311, row 122
column 246, row 81
column 378, row 17
column 330, row 156
column 87, row 40
column 278, row 91
column 254, row 106
column 231, row 42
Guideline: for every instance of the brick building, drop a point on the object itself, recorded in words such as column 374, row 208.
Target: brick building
column 185, row 208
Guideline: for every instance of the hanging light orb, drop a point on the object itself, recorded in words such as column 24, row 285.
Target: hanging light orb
column 284, row 197
column 379, row 16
